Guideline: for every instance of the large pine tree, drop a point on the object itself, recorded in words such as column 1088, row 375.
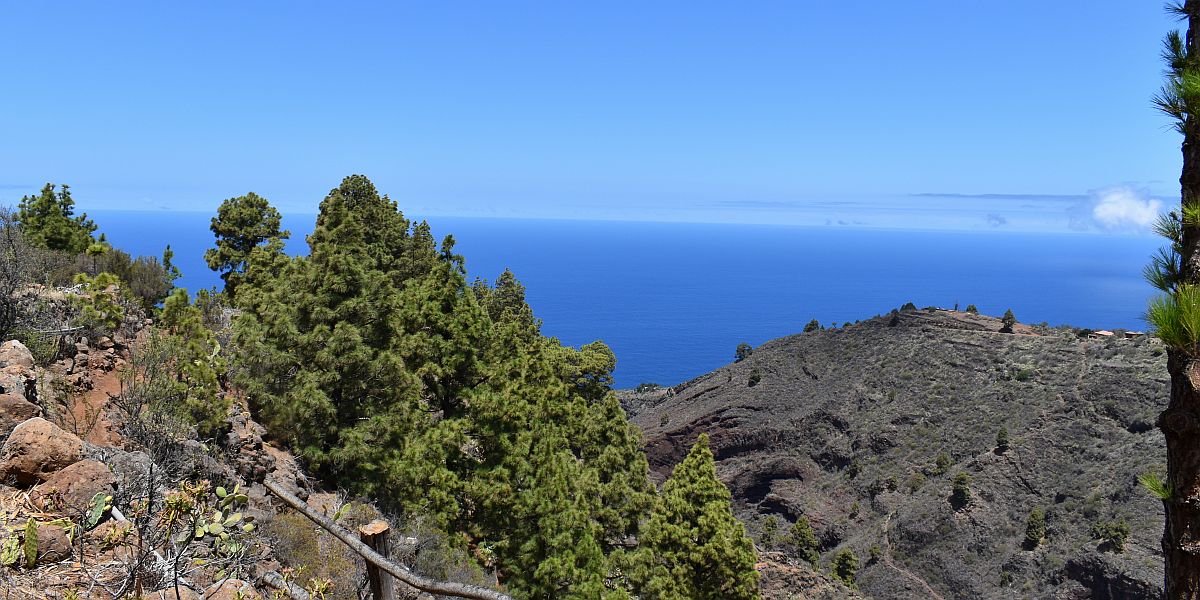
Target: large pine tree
column 1176, row 316
column 692, row 547
column 394, row 378
column 357, row 352
column 241, row 225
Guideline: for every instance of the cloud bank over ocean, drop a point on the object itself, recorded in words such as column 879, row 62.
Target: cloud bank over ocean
column 1125, row 208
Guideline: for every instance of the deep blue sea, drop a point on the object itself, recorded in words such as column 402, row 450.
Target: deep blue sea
column 674, row 300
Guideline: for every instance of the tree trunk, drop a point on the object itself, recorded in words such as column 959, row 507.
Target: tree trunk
column 1180, row 423
column 375, row 535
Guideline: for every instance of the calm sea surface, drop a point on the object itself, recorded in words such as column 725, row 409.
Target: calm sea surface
column 674, row 300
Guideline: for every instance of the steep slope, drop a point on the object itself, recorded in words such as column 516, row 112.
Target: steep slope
column 846, row 427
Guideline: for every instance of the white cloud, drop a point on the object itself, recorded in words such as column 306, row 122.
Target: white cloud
column 1124, row 207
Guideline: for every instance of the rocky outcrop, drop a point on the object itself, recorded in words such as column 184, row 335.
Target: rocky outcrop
column 35, row 450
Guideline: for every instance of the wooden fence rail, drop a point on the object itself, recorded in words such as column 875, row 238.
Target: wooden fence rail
column 400, row 572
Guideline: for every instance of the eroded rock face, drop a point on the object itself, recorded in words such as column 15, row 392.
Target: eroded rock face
column 36, row 449
column 71, row 490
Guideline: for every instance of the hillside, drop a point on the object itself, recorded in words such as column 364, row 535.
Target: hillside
column 846, row 426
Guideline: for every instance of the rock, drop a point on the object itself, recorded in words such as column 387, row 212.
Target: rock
column 14, row 353
column 244, row 441
column 130, row 468
column 14, row 410
column 35, row 449
column 53, row 544
column 232, row 589
column 105, row 342
column 185, row 593
column 71, row 490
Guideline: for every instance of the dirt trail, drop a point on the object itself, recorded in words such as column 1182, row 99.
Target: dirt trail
column 87, row 413
column 887, row 560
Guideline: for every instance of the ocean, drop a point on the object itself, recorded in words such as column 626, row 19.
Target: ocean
column 673, row 300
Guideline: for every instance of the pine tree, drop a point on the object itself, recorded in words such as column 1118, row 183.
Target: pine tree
column 845, row 566
column 692, row 547
column 48, row 220
column 378, row 334
column 1008, row 321
column 241, row 225
column 1035, row 528
column 1176, row 272
column 197, row 364
column 393, row 378
column 556, row 551
column 805, row 541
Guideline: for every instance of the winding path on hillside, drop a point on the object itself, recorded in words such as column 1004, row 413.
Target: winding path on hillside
column 887, row 560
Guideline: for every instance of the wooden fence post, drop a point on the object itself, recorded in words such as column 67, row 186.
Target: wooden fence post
column 375, row 535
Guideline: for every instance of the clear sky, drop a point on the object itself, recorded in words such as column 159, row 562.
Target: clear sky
column 1022, row 114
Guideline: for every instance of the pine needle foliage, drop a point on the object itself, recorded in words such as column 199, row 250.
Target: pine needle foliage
column 692, row 546
column 1156, row 485
column 1175, row 318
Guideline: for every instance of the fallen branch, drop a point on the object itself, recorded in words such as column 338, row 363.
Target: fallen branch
column 293, row 591
column 445, row 588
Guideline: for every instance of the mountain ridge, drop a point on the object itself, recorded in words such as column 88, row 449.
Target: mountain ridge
column 848, row 427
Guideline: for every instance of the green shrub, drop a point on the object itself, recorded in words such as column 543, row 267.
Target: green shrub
column 941, row 464
column 1112, row 533
column 743, row 352
column 805, row 541
column 1035, row 528
column 971, row 308
column 1002, row 440
column 845, row 566
column 960, row 494
column 770, row 528
column 100, row 311
column 915, row 481
column 813, row 325
column 755, row 377
column 643, row 388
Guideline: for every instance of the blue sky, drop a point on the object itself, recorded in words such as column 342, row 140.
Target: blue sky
column 1025, row 114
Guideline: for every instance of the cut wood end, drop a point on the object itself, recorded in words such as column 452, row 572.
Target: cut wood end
column 374, row 528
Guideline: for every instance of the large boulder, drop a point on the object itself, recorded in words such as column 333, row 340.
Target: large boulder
column 17, row 372
column 14, row 410
column 14, row 354
column 36, row 449
column 71, row 490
